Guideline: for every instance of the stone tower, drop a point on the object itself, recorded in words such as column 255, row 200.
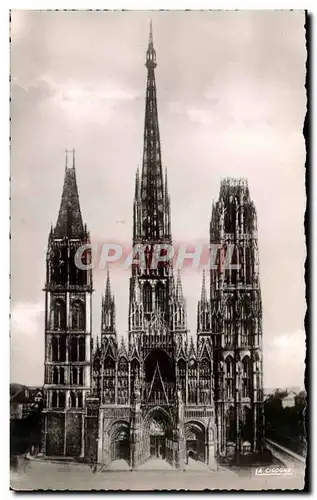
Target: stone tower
column 236, row 321
column 68, row 292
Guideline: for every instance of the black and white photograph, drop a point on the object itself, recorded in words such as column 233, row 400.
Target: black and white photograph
column 157, row 168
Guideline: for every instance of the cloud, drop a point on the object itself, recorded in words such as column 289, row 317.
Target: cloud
column 286, row 353
column 25, row 318
column 27, row 343
column 82, row 103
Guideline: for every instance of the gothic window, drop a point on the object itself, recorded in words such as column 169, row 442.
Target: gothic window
column 72, row 400
column 230, row 217
column 247, row 424
column 62, row 348
column 82, row 353
column 77, row 350
column 54, row 399
column 204, row 381
column 78, row 315
column 192, row 382
column 80, row 375
column 135, row 369
column 147, row 298
column 61, row 402
column 182, row 368
column 58, row 399
column 182, row 376
column 58, row 375
column 229, row 321
column 160, row 296
column 55, row 265
column 74, row 375
column 234, row 262
column 245, row 334
column 59, row 348
column 229, row 309
column 58, row 315
column 79, row 400
column 109, row 380
column 230, row 425
column 241, row 263
column 248, row 266
column 122, row 393
column 229, row 377
column 246, row 373
column 73, row 269
column 77, row 375
column 229, row 333
column 58, row 265
column 55, row 349
column 82, row 274
column 74, row 349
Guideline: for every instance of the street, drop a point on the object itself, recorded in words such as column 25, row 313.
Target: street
column 34, row 474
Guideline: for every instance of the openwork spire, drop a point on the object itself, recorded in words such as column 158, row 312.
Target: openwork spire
column 152, row 188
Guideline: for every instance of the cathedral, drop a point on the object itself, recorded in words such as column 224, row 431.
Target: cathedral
column 160, row 394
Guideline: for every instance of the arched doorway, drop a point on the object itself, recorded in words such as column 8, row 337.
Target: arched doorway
column 195, row 441
column 158, row 435
column 120, row 442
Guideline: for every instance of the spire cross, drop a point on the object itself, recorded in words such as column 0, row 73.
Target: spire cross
column 73, row 157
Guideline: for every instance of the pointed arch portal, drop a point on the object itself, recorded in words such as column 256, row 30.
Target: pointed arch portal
column 158, row 435
column 195, row 441
column 120, row 441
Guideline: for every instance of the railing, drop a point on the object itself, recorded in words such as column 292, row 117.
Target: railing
column 284, row 454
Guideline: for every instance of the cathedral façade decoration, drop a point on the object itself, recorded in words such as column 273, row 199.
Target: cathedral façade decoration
column 160, row 395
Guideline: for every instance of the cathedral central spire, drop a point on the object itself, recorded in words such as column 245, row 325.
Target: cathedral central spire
column 153, row 221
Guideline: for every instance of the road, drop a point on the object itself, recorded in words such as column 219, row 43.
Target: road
column 43, row 475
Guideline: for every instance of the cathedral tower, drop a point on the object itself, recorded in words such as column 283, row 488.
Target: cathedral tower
column 236, row 321
column 68, row 292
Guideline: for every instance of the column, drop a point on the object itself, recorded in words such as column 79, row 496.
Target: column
column 88, row 315
column 82, row 453
column 100, row 438
column 65, row 433
column 116, row 382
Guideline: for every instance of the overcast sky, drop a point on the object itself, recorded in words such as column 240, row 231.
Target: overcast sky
column 231, row 101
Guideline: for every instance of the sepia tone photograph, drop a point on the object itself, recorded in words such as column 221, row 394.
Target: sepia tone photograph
column 157, row 337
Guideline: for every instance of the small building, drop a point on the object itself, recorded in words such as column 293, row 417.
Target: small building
column 288, row 401
column 23, row 399
column 300, row 399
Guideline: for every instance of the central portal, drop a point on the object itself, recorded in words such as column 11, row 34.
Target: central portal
column 157, row 444
column 158, row 435
column 157, row 439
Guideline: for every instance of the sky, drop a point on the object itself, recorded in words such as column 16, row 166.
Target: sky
column 231, row 102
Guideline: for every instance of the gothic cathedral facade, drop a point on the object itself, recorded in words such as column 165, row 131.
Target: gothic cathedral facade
column 161, row 394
